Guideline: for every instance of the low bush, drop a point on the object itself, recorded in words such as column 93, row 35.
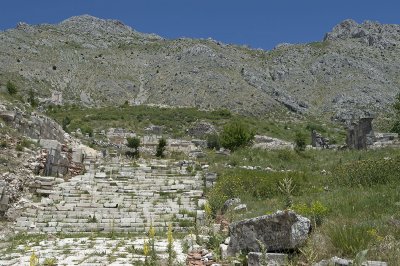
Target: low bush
column 349, row 240
column 300, row 141
column 213, row 141
column 3, row 144
column 11, row 88
column 316, row 211
column 235, row 135
column 367, row 172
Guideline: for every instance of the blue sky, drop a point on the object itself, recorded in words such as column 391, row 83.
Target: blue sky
column 257, row 23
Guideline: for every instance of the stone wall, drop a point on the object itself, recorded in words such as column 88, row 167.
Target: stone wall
column 360, row 134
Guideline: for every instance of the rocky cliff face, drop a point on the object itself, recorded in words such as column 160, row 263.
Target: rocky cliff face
column 103, row 62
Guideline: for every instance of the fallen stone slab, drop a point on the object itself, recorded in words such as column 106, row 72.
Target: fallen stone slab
column 281, row 231
column 336, row 261
column 270, row 259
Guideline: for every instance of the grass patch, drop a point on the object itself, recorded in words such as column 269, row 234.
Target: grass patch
column 176, row 120
column 351, row 197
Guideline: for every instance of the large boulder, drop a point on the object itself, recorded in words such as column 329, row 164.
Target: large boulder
column 281, row 231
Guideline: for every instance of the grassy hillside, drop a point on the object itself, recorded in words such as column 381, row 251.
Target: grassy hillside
column 351, row 197
column 176, row 120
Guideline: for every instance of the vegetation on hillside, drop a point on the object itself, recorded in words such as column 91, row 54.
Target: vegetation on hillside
column 176, row 121
column 351, row 197
column 236, row 135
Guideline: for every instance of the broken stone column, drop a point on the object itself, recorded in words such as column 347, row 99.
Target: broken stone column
column 281, row 231
column 360, row 134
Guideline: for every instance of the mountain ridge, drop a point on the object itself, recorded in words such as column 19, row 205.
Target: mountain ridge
column 98, row 62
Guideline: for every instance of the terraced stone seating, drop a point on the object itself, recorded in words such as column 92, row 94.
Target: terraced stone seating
column 120, row 198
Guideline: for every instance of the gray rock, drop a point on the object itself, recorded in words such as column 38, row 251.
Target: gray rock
column 270, row 259
column 283, row 230
column 229, row 204
column 224, row 251
column 7, row 116
column 336, row 261
column 240, row 208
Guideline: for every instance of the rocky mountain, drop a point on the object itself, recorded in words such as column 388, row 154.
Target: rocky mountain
column 355, row 69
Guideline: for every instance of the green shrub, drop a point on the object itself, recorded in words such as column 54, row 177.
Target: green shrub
column 19, row 148
column 65, row 122
column 134, row 143
column 300, row 141
column 186, row 223
column 3, row 144
column 50, row 262
column 349, row 240
column 213, row 244
column 316, row 211
column 367, row 172
column 11, row 88
column 315, row 126
column 32, row 99
column 235, row 135
column 87, row 130
column 213, row 141
column 162, row 143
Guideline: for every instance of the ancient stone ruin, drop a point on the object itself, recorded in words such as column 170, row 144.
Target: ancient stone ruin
column 360, row 134
column 318, row 141
column 281, row 231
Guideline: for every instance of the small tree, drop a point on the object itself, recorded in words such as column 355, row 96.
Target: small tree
column 162, row 143
column 236, row 135
column 11, row 88
column 213, row 141
column 300, row 141
column 134, row 143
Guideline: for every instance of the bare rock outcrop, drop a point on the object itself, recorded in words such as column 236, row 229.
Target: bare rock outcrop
column 370, row 33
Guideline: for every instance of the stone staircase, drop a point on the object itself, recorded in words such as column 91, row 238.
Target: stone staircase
column 117, row 197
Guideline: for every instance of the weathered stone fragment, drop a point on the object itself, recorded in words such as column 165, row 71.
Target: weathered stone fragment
column 345, row 262
column 283, row 230
column 229, row 204
column 270, row 259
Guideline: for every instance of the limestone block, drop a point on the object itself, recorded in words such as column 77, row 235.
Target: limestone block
column 50, row 144
column 283, row 230
column 271, row 259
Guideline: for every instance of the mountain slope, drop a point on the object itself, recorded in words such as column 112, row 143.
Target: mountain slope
column 103, row 62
